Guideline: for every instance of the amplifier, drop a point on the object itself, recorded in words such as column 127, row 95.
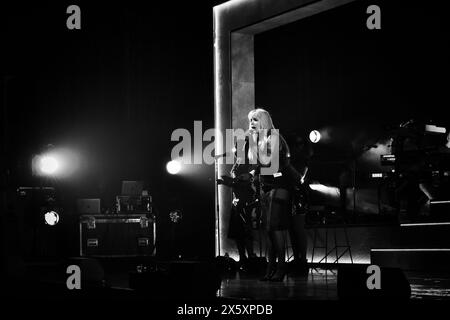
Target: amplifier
column 134, row 204
column 117, row 235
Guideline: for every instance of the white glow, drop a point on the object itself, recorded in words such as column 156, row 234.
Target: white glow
column 57, row 163
column 425, row 224
column 439, row 201
column 375, row 152
column 227, row 5
column 314, row 136
column 435, row 129
column 331, row 191
column 173, row 167
column 48, row 165
column 51, row 218
column 377, row 175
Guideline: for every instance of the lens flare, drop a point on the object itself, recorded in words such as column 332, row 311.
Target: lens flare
column 48, row 165
column 173, row 167
column 51, row 218
column 314, row 136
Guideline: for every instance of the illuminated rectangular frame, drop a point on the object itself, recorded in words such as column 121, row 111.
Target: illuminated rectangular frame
column 235, row 24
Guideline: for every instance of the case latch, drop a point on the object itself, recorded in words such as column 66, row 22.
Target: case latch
column 144, row 222
column 143, row 242
column 91, row 223
column 92, row 242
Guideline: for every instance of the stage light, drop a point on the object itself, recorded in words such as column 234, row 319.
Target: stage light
column 51, row 218
column 328, row 190
column 377, row 175
column 173, row 167
column 48, row 165
column 434, row 129
column 175, row 216
column 314, row 136
column 55, row 163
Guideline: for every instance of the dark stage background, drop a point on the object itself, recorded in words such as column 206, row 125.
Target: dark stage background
column 113, row 92
column 331, row 73
column 116, row 89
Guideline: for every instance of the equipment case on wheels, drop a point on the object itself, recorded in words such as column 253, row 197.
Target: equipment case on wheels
column 117, row 235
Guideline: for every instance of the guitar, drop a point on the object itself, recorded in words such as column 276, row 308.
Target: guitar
column 300, row 194
column 245, row 195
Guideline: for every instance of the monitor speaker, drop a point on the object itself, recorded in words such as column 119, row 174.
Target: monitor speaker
column 352, row 283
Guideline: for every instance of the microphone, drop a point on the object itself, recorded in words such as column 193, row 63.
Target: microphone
column 370, row 146
column 407, row 123
column 225, row 154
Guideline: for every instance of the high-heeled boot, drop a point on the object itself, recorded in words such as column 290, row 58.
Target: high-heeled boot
column 282, row 270
column 270, row 271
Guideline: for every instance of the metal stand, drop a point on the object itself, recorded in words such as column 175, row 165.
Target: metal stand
column 335, row 248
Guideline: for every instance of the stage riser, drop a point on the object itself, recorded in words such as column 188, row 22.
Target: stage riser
column 361, row 240
column 434, row 261
column 424, row 236
column 364, row 238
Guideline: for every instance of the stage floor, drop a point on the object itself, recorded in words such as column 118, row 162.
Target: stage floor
column 319, row 284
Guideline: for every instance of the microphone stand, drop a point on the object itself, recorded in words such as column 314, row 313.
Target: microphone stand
column 216, row 179
column 355, row 157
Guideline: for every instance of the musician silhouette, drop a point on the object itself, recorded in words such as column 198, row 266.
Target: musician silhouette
column 244, row 211
column 300, row 154
column 418, row 154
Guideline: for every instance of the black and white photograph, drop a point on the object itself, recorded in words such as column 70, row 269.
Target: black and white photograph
column 239, row 158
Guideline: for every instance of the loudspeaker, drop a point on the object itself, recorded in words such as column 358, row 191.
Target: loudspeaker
column 352, row 283
column 92, row 272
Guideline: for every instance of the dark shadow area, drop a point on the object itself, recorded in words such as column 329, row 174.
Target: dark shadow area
column 369, row 93
column 111, row 93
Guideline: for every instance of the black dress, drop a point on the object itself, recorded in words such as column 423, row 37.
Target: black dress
column 276, row 193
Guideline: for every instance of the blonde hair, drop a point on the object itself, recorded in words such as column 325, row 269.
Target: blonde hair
column 263, row 116
column 266, row 124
